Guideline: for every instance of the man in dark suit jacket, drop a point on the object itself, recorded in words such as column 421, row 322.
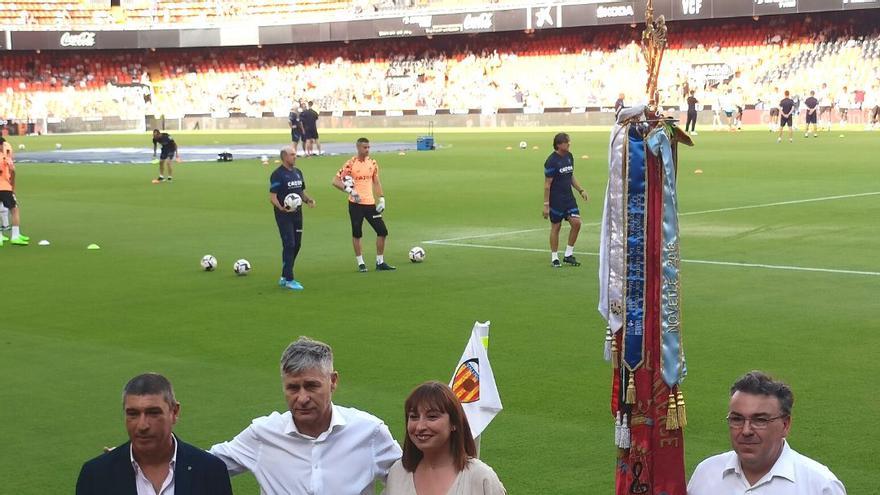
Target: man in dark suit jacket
column 153, row 460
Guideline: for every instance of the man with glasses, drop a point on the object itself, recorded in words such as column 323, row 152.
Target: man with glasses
column 762, row 462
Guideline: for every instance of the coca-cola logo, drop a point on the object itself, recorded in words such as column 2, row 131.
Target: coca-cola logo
column 603, row 12
column 476, row 22
column 84, row 38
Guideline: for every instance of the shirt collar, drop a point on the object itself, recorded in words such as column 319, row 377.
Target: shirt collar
column 783, row 468
column 173, row 455
column 337, row 420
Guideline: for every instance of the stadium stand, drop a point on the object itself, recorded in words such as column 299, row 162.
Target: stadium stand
column 83, row 14
column 534, row 71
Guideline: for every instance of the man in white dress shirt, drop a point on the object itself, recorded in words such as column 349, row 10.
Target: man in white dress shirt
column 316, row 447
column 762, row 462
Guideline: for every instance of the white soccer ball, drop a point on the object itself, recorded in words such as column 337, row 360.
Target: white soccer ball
column 21, row 146
column 209, row 263
column 293, row 201
column 523, row 145
column 57, row 146
column 242, row 267
column 417, row 254
column 264, row 159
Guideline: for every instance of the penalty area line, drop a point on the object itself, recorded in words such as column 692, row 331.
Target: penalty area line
column 698, row 262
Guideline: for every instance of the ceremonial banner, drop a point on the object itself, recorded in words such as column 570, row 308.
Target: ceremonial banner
column 473, row 382
column 639, row 290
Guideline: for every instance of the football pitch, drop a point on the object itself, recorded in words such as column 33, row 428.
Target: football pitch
column 780, row 272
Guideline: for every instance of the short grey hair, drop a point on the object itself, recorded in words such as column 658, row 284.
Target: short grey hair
column 150, row 384
column 288, row 150
column 306, row 354
column 759, row 383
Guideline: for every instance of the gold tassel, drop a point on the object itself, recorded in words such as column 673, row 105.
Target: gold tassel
column 615, row 354
column 631, row 389
column 671, row 413
column 682, row 412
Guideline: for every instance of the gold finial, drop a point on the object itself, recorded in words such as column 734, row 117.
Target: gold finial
column 653, row 45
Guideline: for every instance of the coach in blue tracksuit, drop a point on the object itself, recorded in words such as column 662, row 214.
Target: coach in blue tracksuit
column 285, row 180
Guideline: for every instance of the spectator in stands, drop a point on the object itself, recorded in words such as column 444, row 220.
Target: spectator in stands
column 759, row 420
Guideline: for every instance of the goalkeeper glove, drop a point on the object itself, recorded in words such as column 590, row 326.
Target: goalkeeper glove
column 380, row 206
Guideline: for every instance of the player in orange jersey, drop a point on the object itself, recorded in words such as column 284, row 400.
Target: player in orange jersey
column 7, row 193
column 359, row 178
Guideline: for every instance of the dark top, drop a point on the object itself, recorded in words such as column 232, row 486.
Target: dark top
column 787, row 104
column 811, row 102
column 196, row 472
column 692, row 104
column 561, row 169
column 163, row 140
column 284, row 182
column 294, row 120
column 309, row 119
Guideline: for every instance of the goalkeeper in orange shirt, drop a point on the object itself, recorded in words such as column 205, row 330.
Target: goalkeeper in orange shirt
column 7, row 194
column 359, row 178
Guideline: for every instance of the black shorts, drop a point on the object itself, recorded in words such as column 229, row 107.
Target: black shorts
column 168, row 152
column 563, row 211
column 774, row 112
column 310, row 133
column 7, row 199
column 295, row 135
column 358, row 212
column 785, row 121
column 811, row 118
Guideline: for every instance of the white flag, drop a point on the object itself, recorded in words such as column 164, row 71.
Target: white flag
column 474, row 384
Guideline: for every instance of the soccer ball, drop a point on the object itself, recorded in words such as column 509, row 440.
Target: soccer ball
column 57, row 146
column 242, row 267
column 523, row 145
column 264, row 160
column 417, row 254
column 293, row 201
column 21, row 146
column 209, row 263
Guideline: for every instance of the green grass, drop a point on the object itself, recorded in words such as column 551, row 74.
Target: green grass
column 76, row 324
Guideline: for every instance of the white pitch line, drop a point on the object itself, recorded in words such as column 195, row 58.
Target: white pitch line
column 782, row 203
column 702, row 212
column 481, row 236
column 700, row 262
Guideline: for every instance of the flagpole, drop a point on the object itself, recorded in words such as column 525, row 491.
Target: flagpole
column 483, row 333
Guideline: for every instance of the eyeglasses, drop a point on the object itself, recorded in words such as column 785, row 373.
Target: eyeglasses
column 758, row 423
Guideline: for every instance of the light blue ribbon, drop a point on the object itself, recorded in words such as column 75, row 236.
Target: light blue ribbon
column 672, row 362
